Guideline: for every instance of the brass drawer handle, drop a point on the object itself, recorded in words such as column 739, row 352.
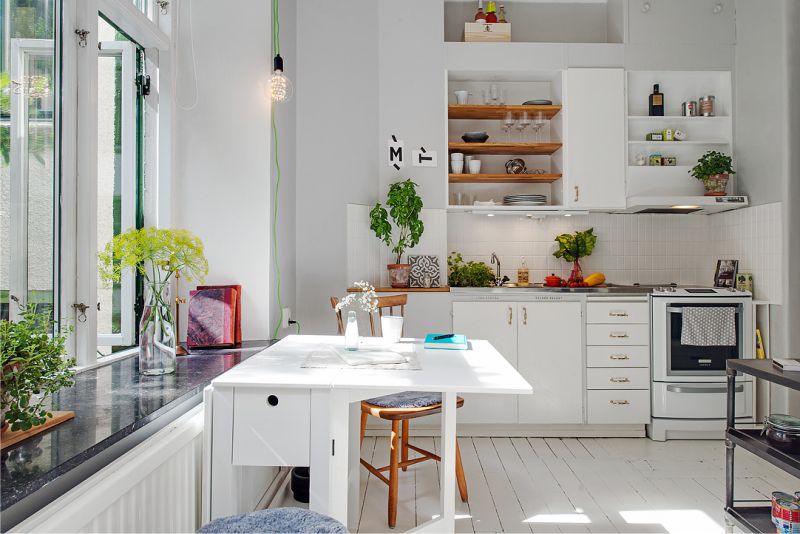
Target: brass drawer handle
column 617, row 314
column 525, row 315
column 619, row 402
column 510, row 314
column 619, row 357
column 619, row 379
column 618, row 335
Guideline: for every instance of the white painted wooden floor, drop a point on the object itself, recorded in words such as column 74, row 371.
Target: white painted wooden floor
column 573, row 485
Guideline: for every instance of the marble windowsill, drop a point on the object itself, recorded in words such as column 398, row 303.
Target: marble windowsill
column 111, row 403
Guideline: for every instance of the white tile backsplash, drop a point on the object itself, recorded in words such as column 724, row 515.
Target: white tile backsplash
column 633, row 248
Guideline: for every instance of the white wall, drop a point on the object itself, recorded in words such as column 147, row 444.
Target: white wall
column 337, row 144
column 222, row 165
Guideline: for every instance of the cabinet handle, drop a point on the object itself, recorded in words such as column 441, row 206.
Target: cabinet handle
column 510, row 314
column 620, row 357
column 525, row 315
column 617, row 314
column 577, row 193
column 619, row 402
column 617, row 335
column 619, row 379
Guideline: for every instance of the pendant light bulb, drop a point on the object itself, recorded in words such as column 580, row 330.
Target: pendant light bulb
column 280, row 86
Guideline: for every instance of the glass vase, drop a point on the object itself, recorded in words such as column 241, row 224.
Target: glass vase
column 577, row 272
column 157, row 342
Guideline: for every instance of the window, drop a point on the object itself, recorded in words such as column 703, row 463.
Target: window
column 28, row 177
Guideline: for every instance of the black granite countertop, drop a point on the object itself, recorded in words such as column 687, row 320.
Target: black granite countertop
column 110, row 403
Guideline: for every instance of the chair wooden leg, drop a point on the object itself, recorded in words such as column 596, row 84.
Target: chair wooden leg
column 364, row 417
column 404, row 447
column 393, row 475
column 460, row 478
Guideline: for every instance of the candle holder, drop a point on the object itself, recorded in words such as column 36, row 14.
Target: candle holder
column 179, row 350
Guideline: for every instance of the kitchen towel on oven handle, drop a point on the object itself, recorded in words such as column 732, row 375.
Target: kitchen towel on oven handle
column 709, row 326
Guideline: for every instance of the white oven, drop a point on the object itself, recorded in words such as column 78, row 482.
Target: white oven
column 689, row 381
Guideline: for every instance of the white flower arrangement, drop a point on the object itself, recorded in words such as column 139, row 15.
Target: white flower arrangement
column 366, row 298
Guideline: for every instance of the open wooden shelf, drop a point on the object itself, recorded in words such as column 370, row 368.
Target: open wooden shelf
column 540, row 149
column 473, row 111
column 444, row 289
column 503, row 178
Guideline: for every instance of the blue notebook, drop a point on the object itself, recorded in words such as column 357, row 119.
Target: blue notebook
column 454, row 342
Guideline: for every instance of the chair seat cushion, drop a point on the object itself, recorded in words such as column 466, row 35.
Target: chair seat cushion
column 276, row 520
column 407, row 399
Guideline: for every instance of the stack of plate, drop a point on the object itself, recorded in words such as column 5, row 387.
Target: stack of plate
column 525, row 200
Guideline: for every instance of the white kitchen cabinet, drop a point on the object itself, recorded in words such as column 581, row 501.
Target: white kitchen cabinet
column 497, row 323
column 709, row 22
column 549, row 357
column 595, row 138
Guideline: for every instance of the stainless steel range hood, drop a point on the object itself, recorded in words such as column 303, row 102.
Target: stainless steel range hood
column 684, row 204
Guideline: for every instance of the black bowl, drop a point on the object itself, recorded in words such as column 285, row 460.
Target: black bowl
column 475, row 137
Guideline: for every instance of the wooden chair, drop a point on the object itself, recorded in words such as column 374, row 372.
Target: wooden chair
column 400, row 408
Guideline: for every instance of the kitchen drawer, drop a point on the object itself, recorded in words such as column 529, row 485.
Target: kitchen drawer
column 621, row 378
column 700, row 400
column 616, row 356
column 618, row 312
column 617, row 334
column 622, row 407
column 271, row 426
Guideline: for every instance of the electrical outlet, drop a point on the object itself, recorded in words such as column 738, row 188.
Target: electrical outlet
column 287, row 314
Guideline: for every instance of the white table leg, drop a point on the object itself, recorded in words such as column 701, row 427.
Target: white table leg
column 223, row 477
column 329, row 453
column 447, row 486
column 354, row 466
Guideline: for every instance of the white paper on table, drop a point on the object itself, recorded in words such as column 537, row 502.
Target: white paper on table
column 371, row 354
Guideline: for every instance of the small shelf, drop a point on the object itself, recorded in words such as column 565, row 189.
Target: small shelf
column 541, row 149
column 473, row 111
column 752, row 518
column 676, row 168
column 510, row 210
column 503, row 178
column 753, row 441
column 678, row 143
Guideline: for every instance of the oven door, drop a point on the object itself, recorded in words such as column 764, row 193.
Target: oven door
column 675, row 362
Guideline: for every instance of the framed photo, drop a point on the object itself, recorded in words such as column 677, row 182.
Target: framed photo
column 726, row 273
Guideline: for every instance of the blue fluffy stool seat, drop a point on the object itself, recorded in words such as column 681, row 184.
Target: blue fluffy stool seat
column 276, row 520
column 407, row 399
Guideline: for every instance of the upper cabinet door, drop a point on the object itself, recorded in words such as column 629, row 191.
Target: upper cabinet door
column 595, row 138
column 681, row 21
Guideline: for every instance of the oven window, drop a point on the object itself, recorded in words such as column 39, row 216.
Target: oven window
column 691, row 359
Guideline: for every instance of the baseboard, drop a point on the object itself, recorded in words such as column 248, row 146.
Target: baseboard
column 528, row 431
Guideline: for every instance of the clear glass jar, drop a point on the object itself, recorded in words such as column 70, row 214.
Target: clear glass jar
column 157, row 340
column 351, row 332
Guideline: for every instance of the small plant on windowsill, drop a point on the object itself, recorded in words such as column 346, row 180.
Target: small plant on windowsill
column 157, row 254
column 405, row 207
column 33, row 367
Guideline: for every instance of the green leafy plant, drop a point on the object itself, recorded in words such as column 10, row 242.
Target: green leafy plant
column 405, row 207
column 468, row 274
column 572, row 247
column 5, row 112
column 156, row 253
column 33, row 367
column 711, row 163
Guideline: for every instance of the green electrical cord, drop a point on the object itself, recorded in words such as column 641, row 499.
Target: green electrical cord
column 276, row 46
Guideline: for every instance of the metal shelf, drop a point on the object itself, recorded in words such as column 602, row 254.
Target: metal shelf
column 752, row 518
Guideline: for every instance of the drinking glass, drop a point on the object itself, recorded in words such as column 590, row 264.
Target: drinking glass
column 524, row 121
column 508, row 123
column 539, row 122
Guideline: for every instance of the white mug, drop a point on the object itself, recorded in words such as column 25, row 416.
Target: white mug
column 391, row 328
column 474, row 166
column 457, row 165
column 456, row 156
column 462, row 96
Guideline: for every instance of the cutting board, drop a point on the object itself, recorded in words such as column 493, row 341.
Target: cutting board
column 11, row 437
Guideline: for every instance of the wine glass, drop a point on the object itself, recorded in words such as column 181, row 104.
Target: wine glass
column 524, row 121
column 539, row 123
column 508, row 122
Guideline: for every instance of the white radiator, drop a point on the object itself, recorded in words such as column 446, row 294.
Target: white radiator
column 153, row 488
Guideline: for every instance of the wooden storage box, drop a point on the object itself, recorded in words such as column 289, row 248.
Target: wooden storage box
column 478, row 32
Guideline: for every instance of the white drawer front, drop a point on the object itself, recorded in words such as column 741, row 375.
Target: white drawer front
column 267, row 434
column 616, row 356
column 618, row 312
column 617, row 334
column 700, row 400
column 622, row 407
column 621, row 378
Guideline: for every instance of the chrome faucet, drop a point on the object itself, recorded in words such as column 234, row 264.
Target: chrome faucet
column 498, row 281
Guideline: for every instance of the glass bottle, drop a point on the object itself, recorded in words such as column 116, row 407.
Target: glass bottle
column 491, row 13
column 480, row 16
column 351, row 332
column 501, row 14
column 522, row 274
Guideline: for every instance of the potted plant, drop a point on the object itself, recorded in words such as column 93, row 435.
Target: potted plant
column 157, row 254
column 573, row 247
column 468, row 274
column 713, row 169
column 33, row 367
column 405, row 207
